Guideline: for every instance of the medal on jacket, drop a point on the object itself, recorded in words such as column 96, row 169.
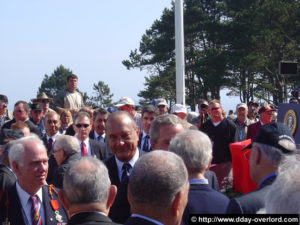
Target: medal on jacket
column 55, row 206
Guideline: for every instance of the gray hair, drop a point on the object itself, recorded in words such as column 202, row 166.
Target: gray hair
column 195, row 148
column 86, row 181
column 119, row 114
column 68, row 144
column 190, row 116
column 273, row 154
column 82, row 114
column 165, row 120
column 284, row 194
column 51, row 113
column 17, row 150
column 156, row 178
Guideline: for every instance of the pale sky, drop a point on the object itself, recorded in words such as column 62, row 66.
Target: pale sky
column 90, row 37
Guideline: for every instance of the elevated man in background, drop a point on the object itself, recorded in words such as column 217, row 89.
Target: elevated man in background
column 203, row 113
column 162, row 106
column 69, row 99
column 36, row 114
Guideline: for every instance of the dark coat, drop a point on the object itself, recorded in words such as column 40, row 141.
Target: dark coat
column 58, row 177
column 251, row 202
column 33, row 128
column 90, row 218
column 253, row 129
column 138, row 221
column 108, row 151
column 204, row 200
column 7, row 178
column 15, row 215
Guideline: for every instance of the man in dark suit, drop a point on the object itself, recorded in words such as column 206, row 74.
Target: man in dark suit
column 21, row 110
column 265, row 116
column 270, row 146
column 52, row 124
column 163, row 129
column 98, row 133
column 65, row 150
column 88, row 207
column 29, row 161
column 82, row 126
column 158, row 189
column 122, row 134
column 195, row 148
column 149, row 112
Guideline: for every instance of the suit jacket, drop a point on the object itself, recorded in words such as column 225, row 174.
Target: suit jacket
column 120, row 210
column 212, row 179
column 140, row 142
column 33, row 128
column 108, row 151
column 251, row 202
column 98, row 149
column 253, row 129
column 7, row 178
column 51, row 162
column 138, row 221
column 90, row 218
column 204, row 200
column 15, row 215
column 58, row 177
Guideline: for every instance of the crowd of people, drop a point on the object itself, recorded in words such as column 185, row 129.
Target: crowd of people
column 72, row 164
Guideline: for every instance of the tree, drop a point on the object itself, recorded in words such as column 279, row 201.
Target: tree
column 51, row 85
column 103, row 97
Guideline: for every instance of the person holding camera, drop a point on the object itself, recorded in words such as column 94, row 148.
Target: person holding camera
column 5, row 115
column 203, row 113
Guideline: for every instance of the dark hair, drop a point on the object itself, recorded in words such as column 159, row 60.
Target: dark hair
column 99, row 111
column 149, row 109
column 72, row 76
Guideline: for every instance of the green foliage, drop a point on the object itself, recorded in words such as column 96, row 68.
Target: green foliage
column 102, row 96
column 51, row 85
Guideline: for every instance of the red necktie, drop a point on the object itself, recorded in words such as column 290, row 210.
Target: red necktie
column 35, row 211
column 83, row 149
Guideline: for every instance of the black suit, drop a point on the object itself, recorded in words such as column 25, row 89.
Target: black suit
column 98, row 149
column 33, row 128
column 58, row 177
column 251, row 202
column 7, row 178
column 51, row 162
column 140, row 143
column 90, row 218
column 108, row 151
column 120, row 210
column 15, row 215
column 138, row 221
column 212, row 179
column 204, row 200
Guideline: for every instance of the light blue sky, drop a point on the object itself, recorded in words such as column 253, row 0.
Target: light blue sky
column 90, row 37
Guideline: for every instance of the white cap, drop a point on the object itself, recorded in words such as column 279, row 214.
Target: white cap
column 161, row 101
column 177, row 108
column 125, row 101
column 241, row 105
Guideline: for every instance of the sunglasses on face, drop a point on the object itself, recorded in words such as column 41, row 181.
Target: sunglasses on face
column 45, row 101
column 82, row 125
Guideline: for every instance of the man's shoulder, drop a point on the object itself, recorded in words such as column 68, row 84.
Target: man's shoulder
column 256, row 124
column 90, row 218
column 138, row 221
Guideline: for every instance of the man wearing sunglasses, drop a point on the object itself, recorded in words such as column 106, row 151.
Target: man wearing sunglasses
column 221, row 131
column 265, row 113
column 89, row 147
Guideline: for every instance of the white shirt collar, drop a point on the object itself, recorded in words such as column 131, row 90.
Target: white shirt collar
column 132, row 161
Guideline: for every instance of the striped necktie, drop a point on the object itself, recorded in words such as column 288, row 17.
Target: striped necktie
column 35, row 210
column 83, row 149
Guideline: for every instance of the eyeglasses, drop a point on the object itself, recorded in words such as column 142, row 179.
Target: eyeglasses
column 45, row 101
column 78, row 125
column 214, row 108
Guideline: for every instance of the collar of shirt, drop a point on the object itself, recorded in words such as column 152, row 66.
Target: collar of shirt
column 147, row 218
column 102, row 213
column 96, row 135
column 53, row 137
column 217, row 123
column 198, row 181
column 270, row 175
column 132, row 161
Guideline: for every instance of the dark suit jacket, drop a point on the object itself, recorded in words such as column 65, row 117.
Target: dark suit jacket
column 51, row 162
column 253, row 129
column 108, row 151
column 15, row 215
column 120, row 210
column 138, row 221
column 204, row 200
column 251, row 202
column 33, row 128
column 90, row 218
column 212, row 179
column 140, row 142
column 7, row 178
column 98, row 149
column 58, row 177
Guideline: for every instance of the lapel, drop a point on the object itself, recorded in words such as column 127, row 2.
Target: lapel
column 140, row 140
column 113, row 170
column 15, row 214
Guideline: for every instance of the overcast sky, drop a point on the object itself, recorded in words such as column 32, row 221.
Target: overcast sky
column 90, row 37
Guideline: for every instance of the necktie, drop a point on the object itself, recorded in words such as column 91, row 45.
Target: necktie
column 100, row 138
column 83, row 149
column 35, row 210
column 50, row 143
column 146, row 144
column 125, row 168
